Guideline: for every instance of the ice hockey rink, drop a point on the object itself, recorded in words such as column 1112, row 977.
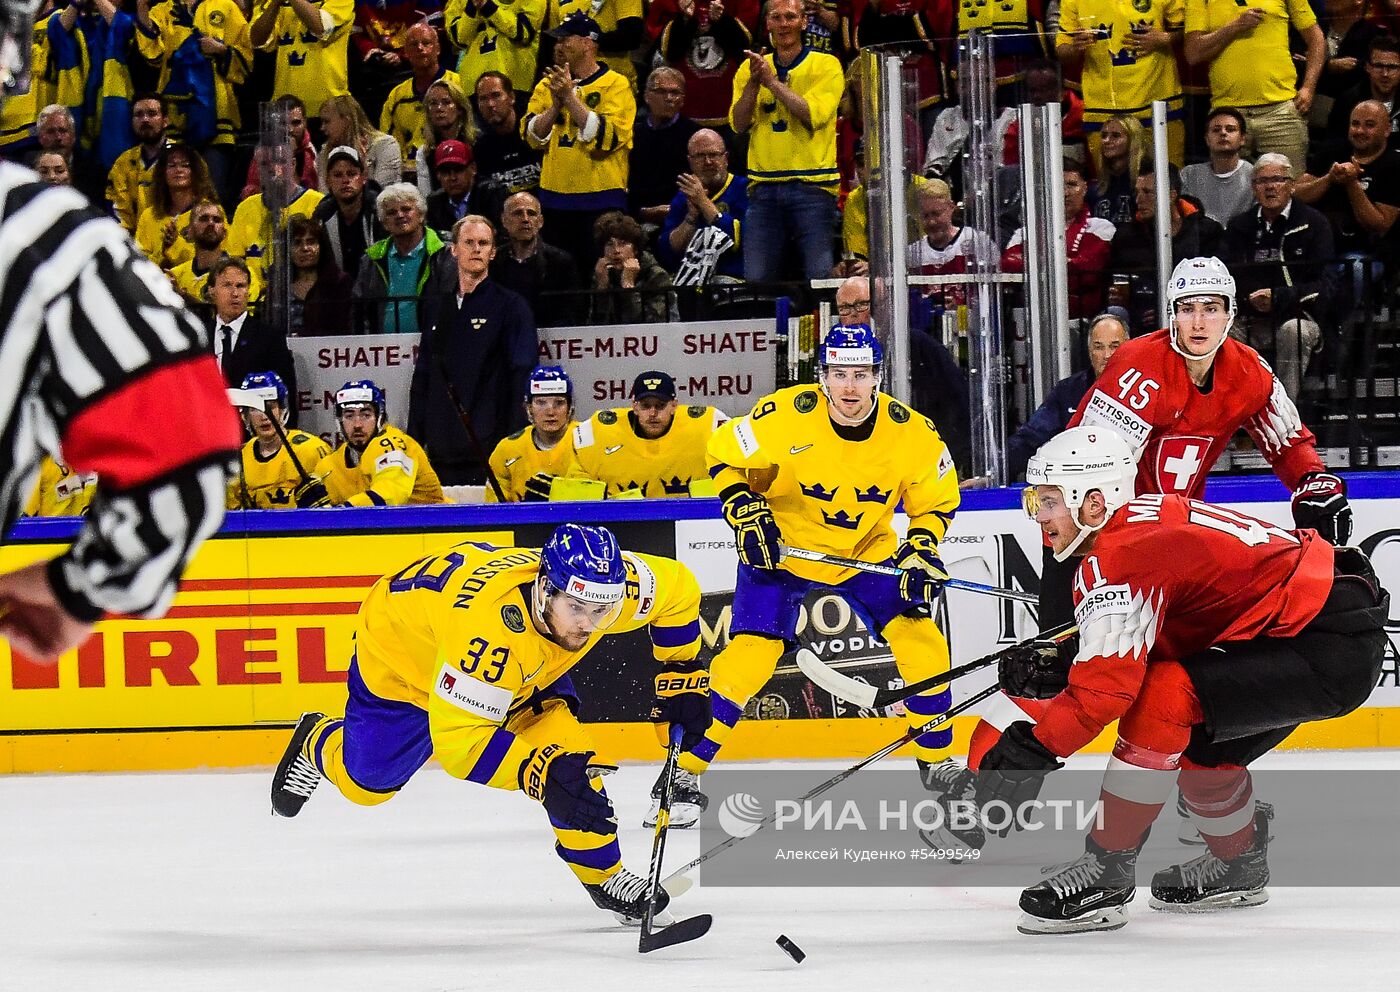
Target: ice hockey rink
column 184, row 881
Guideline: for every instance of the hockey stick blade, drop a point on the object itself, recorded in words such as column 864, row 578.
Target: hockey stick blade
column 680, row 932
column 868, row 697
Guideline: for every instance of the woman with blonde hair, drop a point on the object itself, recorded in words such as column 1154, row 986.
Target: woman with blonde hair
column 180, row 180
column 1121, row 150
column 447, row 116
column 344, row 122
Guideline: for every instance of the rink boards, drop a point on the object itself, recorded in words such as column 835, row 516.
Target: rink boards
column 261, row 631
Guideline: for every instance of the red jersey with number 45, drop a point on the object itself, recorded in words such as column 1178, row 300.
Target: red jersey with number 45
column 1179, row 429
column 1169, row 577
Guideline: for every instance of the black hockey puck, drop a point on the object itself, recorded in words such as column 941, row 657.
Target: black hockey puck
column 791, row 949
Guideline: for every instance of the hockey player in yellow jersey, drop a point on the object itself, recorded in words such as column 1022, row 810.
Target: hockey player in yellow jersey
column 532, row 463
column 378, row 465
column 61, row 492
column 465, row 656
column 823, row 469
column 654, row 449
column 275, row 478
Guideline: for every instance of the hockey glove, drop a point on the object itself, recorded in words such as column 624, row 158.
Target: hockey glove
column 312, row 494
column 1038, row 671
column 924, row 574
column 538, row 487
column 682, row 699
column 562, row 782
column 1015, row 768
column 1320, row 503
column 756, row 534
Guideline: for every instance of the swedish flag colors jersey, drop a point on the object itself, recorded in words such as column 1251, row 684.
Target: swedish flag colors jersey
column 19, row 111
column 609, row 449
column 586, row 175
column 607, row 13
column 392, row 471
column 129, row 186
column 1116, row 79
column 830, row 494
column 250, row 234
column 150, row 238
column 453, row 634
column 312, row 68
column 506, row 39
column 270, row 482
column 781, row 149
column 403, row 116
column 172, row 25
column 516, row 460
column 60, row 492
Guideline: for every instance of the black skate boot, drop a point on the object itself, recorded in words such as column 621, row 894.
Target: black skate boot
column 625, row 896
column 1091, row 893
column 960, row 829
column 687, row 801
column 1208, row 883
column 296, row 776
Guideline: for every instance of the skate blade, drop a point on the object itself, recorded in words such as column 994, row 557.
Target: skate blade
column 1212, row 904
column 658, row 920
column 1112, row 918
column 942, row 840
column 683, row 817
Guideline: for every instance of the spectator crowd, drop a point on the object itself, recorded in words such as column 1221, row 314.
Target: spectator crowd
column 469, row 171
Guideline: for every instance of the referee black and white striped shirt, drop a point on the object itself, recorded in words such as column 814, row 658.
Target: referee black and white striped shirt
column 101, row 366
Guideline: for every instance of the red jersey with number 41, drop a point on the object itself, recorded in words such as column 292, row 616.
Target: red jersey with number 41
column 1179, row 429
column 1167, row 578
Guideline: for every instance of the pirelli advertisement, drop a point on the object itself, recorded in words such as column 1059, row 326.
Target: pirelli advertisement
column 262, row 627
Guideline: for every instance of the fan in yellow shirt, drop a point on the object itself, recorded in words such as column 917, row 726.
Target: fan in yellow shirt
column 465, row 657
column 378, row 465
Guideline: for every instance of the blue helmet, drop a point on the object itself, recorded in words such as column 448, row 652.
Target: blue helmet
column 268, row 387
column 362, row 391
column 582, row 562
column 851, row 344
column 550, row 380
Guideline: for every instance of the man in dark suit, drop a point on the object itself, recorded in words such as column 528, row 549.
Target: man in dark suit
column 242, row 343
column 485, row 338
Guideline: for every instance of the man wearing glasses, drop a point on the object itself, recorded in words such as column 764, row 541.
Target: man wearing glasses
column 1278, row 253
column 700, row 239
column 659, row 144
column 1382, row 82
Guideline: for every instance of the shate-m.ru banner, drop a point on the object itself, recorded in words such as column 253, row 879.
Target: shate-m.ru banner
column 1328, row 827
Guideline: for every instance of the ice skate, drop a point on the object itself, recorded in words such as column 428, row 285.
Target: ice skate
column 296, row 776
column 625, row 896
column 950, row 781
column 687, row 801
column 1208, row 883
column 1090, row 893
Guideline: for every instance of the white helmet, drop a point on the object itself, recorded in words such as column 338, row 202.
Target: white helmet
column 1078, row 461
column 1194, row 277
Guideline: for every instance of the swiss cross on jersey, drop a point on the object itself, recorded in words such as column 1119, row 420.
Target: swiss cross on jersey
column 1180, row 459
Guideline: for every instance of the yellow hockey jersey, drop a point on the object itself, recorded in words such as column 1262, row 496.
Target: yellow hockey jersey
column 516, row 460
column 453, row 634
column 60, row 492
column 312, row 68
column 833, row 495
column 20, row 110
column 250, row 234
column 609, row 449
column 781, row 149
column 506, row 40
column 403, row 117
column 221, row 20
column 150, row 238
column 270, row 482
column 393, row 471
column 129, row 186
column 591, row 175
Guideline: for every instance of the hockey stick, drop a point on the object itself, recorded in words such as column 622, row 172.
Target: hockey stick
column 881, row 569
column 676, row 884
column 681, row 931
column 467, row 422
column 869, row 697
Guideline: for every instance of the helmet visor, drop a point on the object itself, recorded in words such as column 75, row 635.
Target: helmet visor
column 1030, row 501
column 592, row 608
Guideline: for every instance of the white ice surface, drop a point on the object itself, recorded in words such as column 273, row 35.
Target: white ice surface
column 184, row 881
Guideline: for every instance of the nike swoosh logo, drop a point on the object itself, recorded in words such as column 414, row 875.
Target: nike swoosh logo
column 535, row 672
column 796, row 450
column 614, row 448
column 512, row 461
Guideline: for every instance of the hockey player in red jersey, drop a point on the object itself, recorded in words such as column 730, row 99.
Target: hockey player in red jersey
column 1210, row 636
column 1177, row 396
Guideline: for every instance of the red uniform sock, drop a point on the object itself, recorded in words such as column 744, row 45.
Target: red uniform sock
column 1221, row 801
